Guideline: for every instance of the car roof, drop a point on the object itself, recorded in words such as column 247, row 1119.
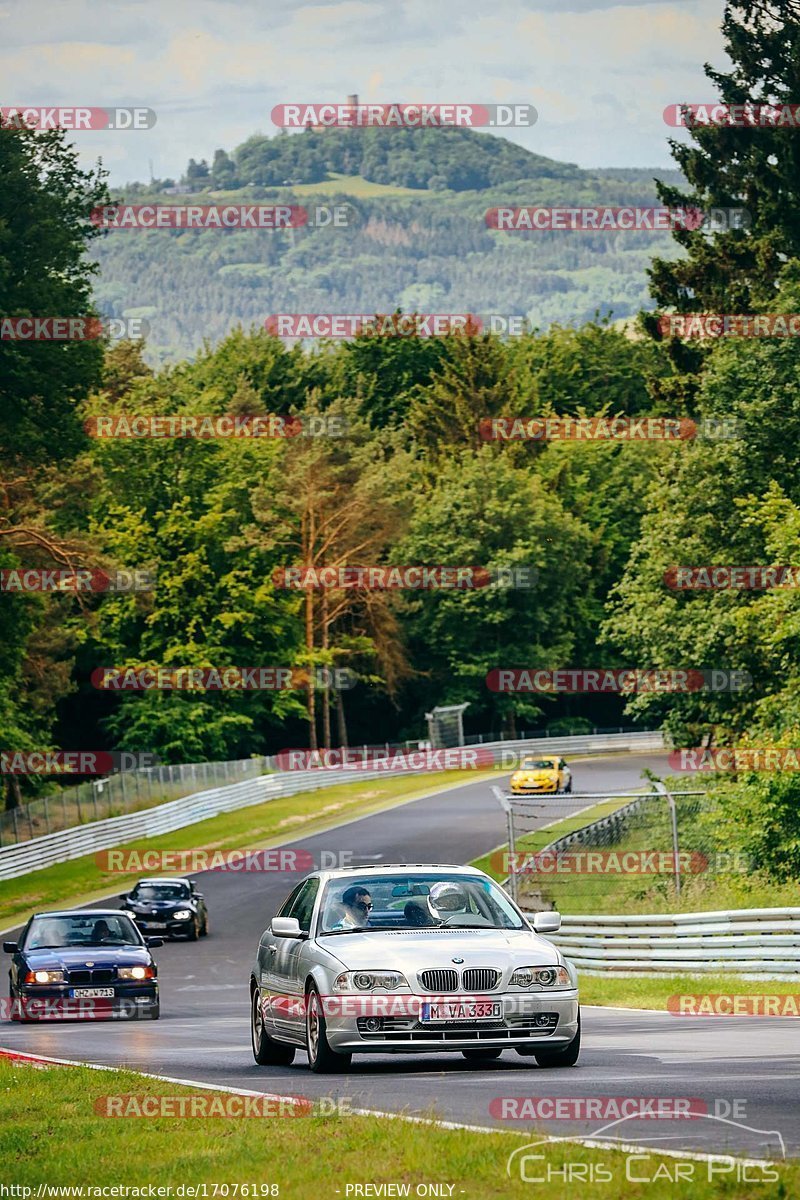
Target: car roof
column 84, row 912
column 163, row 879
column 396, row 869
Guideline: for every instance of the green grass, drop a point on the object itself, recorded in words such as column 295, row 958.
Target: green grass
column 51, row 1133
column 614, row 893
column 351, row 185
column 335, row 185
column 529, row 843
column 260, row 826
column 651, row 991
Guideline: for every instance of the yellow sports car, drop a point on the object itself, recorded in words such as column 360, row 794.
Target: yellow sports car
column 541, row 773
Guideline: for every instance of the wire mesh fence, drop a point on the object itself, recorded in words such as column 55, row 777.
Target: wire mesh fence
column 606, row 853
column 113, row 795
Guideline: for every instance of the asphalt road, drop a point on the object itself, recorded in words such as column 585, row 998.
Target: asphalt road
column 745, row 1071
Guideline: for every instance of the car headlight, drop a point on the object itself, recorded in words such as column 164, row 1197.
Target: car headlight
column 45, row 977
column 182, row 915
column 546, row 977
column 367, row 981
column 135, row 973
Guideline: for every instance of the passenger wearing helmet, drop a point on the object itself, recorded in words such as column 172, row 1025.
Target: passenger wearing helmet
column 445, row 899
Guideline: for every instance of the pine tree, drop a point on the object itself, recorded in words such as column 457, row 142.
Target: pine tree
column 726, row 166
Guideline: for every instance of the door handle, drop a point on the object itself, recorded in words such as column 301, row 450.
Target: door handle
column 273, row 947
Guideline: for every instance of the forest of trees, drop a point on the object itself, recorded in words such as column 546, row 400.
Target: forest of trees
column 429, row 250
column 411, row 482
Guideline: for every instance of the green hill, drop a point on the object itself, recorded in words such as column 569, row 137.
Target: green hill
column 416, row 239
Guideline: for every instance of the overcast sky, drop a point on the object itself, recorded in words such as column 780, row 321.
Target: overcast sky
column 599, row 73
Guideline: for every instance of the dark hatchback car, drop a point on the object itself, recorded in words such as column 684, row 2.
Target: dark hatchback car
column 172, row 907
column 82, row 963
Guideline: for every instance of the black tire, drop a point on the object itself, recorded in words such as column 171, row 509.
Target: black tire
column 481, row 1055
column 568, row 790
column 194, row 932
column 321, row 1059
column 567, row 1056
column 204, row 930
column 154, row 1012
column 266, row 1052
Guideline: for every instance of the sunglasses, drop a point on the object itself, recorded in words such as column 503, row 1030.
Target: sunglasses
column 361, row 904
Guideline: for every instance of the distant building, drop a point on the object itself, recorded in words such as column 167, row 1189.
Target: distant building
column 352, row 102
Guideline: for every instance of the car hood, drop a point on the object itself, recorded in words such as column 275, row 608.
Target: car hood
column 416, row 949
column 70, row 958
column 160, row 906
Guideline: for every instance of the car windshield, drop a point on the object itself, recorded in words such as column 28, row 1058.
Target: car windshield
column 160, row 891
column 424, row 899
column 537, row 764
column 82, row 930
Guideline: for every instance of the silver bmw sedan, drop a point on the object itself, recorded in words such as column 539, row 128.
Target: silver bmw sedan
column 410, row 958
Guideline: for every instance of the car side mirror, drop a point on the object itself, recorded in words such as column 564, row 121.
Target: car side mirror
column 10, row 947
column 154, row 942
column 198, row 895
column 123, row 896
column 288, row 927
column 547, row 922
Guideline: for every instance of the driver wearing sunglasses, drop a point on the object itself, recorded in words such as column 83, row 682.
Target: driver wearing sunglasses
column 357, row 904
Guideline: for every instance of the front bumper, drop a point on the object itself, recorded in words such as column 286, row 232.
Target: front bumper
column 164, row 926
column 532, row 789
column 56, row 1003
column 540, row 1019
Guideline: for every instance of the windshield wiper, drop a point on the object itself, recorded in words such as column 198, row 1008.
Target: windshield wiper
column 364, row 929
column 446, row 925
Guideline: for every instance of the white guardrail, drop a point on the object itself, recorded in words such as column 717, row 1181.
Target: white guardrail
column 38, row 853
column 754, row 940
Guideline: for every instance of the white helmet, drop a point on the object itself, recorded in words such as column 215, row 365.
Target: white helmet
column 445, row 898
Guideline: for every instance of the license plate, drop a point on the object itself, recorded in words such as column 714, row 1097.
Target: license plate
column 461, row 1010
column 94, row 993
column 155, row 924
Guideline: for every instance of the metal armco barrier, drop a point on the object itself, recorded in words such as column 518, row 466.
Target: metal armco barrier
column 41, row 852
column 757, row 940
column 164, row 818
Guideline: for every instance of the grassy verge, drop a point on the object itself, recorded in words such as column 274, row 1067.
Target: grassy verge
column 654, row 991
column 711, row 879
column 261, row 826
column 52, row 1134
column 529, row 843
